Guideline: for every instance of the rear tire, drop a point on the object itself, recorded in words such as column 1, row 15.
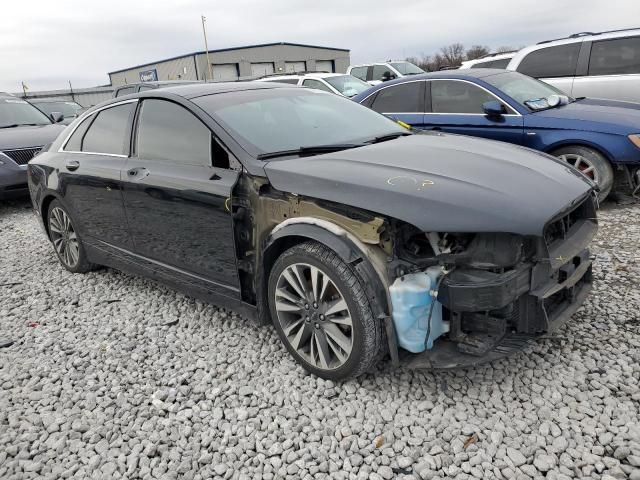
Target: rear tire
column 592, row 164
column 322, row 314
column 65, row 239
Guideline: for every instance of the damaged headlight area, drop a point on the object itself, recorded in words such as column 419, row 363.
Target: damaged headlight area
column 466, row 298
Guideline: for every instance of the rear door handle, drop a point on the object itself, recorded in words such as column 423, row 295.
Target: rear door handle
column 72, row 165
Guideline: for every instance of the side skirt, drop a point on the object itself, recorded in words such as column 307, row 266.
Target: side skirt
column 128, row 265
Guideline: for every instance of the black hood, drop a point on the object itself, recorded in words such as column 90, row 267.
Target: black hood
column 28, row 136
column 440, row 183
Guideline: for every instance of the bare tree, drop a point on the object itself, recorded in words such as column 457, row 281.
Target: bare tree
column 505, row 48
column 477, row 51
column 453, row 54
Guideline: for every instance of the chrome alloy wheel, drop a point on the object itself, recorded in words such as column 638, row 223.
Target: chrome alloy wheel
column 582, row 164
column 64, row 238
column 314, row 316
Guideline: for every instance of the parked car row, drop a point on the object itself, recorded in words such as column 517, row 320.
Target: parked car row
column 357, row 238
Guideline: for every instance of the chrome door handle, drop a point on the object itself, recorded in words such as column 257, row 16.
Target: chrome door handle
column 72, row 165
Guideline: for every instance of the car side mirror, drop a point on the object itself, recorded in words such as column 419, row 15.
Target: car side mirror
column 493, row 108
column 386, row 76
column 56, row 117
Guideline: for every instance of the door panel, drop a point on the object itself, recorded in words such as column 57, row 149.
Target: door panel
column 611, row 87
column 507, row 128
column 456, row 107
column 93, row 191
column 177, row 216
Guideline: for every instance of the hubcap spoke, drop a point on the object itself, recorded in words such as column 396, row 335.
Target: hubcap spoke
column 314, row 316
column 323, row 350
column 581, row 164
column 335, row 307
column 64, row 237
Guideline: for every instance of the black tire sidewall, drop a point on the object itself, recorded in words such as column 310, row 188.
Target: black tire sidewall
column 605, row 170
column 356, row 310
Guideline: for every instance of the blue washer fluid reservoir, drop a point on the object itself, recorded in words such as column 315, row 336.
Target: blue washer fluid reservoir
column 411, row 298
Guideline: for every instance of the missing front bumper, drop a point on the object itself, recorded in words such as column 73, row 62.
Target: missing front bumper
column 446, row 354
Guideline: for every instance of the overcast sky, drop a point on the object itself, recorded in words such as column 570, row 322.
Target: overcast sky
column 47, row 43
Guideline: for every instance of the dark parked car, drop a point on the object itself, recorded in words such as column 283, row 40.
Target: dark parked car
column 24, row 130
column 143, row 86
column 355, row 237
column 595, row 136
column 69, row 110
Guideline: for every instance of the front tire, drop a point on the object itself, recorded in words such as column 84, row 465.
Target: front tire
column 592, row 164
column 65, row 240
column 322, row 314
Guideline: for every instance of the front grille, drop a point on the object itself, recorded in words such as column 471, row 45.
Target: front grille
column 23, row 155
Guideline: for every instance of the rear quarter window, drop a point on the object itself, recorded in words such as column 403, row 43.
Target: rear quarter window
column 615, row 57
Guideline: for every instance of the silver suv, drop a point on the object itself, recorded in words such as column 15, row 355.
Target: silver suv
column 598, row 65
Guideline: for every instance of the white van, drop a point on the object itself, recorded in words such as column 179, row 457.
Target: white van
column 598, row 65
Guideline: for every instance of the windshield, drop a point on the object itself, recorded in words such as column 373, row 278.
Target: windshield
column 406, row 68
column 16, row 112
column 347, row 85
column 279, row 119
column 528, row 91
column 68, row 109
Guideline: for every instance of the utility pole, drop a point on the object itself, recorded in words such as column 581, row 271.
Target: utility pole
column 24, row 90
column 71, row 90
column 206, row 48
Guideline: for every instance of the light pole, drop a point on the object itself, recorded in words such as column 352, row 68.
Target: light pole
column 206, row 48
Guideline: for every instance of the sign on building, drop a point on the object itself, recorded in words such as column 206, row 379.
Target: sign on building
column 149, row 76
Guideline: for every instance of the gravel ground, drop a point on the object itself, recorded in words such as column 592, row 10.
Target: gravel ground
column 112, row 376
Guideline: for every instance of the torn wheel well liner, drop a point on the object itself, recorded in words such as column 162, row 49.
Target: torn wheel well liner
column 290, row 235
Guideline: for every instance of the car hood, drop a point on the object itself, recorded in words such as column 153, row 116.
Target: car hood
column 606, row 116
column 440, row 182
column 25, row 137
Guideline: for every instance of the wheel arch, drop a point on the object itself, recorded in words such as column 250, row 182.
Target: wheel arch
column 363, row 258
column 47, row 198
column 580, row 143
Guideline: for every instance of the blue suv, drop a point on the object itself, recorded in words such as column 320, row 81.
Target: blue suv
column 595, row 136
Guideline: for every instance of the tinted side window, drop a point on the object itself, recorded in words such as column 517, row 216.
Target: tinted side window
column 359, row 72
column 558, row 61
column 125, row 91
column 379, row 71
column 74, row 144
column 168, row 131
column 292, row 81
column 449, row 96
column 502, row 63
column 406, row 97
column 310, row 83
column 612, row 57
column 108, row 133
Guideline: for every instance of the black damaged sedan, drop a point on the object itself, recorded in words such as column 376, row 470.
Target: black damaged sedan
column 356, row 238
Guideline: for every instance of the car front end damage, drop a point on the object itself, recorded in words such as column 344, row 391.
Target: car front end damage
column 493, row 292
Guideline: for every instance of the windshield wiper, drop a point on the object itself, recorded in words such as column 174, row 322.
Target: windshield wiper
column 390, row 136
column 316, row 149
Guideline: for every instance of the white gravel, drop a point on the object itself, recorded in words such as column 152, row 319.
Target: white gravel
column 100, row 384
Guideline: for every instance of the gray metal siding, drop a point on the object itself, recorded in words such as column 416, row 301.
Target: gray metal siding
column 277, row 54
column 181, row 68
